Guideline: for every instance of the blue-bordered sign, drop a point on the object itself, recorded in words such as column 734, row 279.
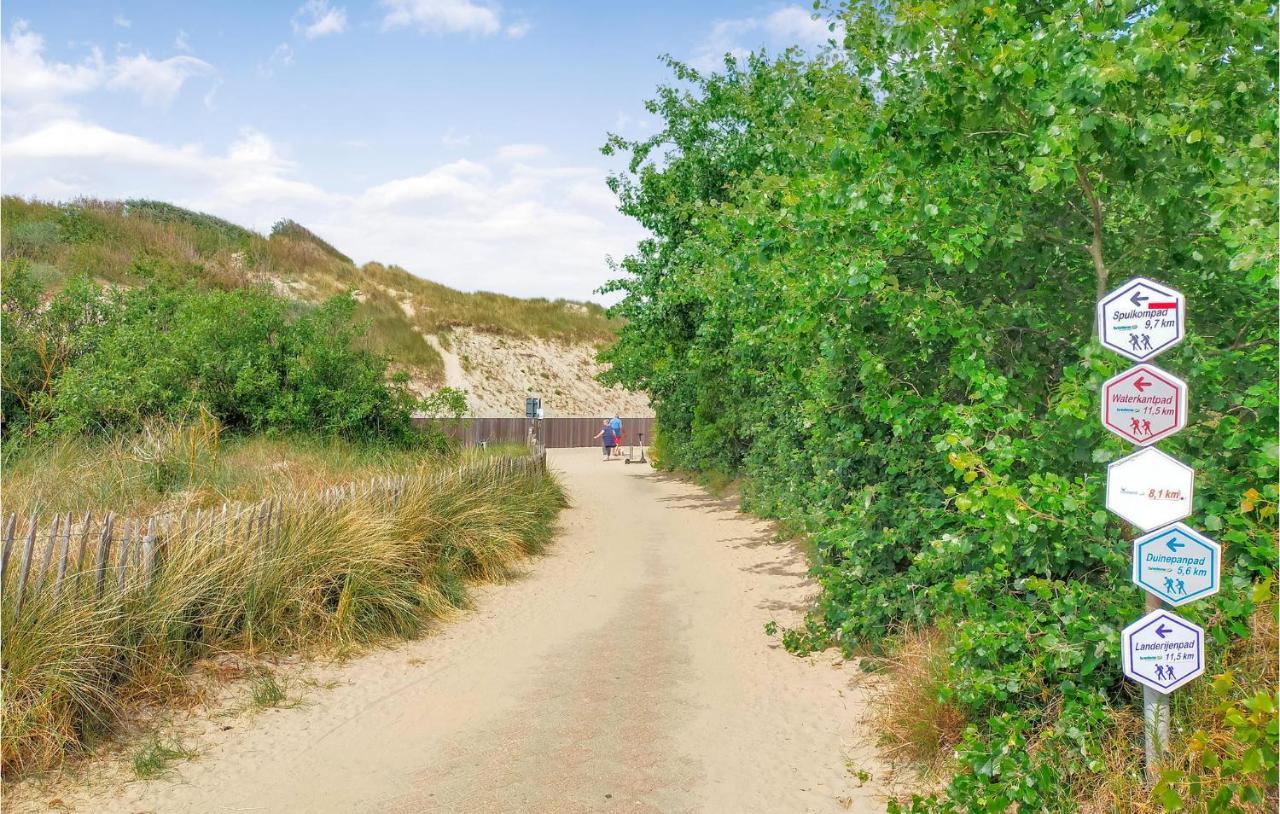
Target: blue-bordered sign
column 1163, row 651
column 1177, row 564
column 1141, row 319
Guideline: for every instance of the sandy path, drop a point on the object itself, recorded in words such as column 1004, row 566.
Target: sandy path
column 454, row 375
column 626, row 671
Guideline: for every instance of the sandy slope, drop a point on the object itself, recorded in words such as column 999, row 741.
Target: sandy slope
column 626, row 671
column 499, row 371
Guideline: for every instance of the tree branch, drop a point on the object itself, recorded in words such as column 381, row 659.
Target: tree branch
column 1094, row 248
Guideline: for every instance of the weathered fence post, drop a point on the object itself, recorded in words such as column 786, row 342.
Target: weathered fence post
column 84, row 547
column 63, row 554
column 8, row 546
column 149, row 553
column 104, row 550
column 123, row 562
column 24, row 570
column 48, row 554
column 264, row 522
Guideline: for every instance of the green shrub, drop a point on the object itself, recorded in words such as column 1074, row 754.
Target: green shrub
column 210, row 233
column 33, row 237
column 292, row 229
column 111, row 360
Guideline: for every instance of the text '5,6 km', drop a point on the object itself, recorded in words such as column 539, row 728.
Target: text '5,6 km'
column 1177, row 564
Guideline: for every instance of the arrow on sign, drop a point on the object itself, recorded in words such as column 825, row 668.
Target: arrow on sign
column 1161, row 631
column 1137, row 299
column 1141, row 384
column 1175, row 545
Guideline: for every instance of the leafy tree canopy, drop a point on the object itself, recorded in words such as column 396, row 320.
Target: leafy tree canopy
column 869, row 287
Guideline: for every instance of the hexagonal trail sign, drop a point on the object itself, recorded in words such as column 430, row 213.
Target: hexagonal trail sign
column 1150, row 489
column 1162, row 651
column 1141, row 319
column 1144, row 404
column 1177, row 564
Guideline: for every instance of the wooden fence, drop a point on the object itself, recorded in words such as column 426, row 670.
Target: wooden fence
column 72, row 554
column 557, row 433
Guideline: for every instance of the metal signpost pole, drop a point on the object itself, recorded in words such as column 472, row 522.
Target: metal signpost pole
column 1153, row 491
column 1155, row 715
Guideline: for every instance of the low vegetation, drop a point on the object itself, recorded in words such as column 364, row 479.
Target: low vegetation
column 170, row 466
column 108, row 360
column 869, row 294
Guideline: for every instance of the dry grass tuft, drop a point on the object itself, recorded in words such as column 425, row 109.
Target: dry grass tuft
column 917, row 721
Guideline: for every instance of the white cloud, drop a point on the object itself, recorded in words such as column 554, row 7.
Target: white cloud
column 156, row 81
column 122, row 21
column 281, row 57
column 522, row 152
column 442, row 16
column 316, row 18
column 625, row 122
column 452, row 138
column 781, row 28
column 208, row 100
column 180, row 42
column 459, row 181
column 31, row 82
column 516, row 31
column 27, row 74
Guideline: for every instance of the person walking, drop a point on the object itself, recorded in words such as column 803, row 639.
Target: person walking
column 608, row 439
column 616, row 424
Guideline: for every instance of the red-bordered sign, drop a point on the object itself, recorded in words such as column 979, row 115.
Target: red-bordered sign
column 1144, row 404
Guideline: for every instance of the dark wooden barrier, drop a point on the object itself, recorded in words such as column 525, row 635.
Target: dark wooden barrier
column 557, row 433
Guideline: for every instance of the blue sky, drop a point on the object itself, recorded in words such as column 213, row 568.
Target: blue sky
column 457, row 138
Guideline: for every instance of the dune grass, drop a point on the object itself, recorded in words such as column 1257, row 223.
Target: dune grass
column 177, row 466
column 133, row 243
column 336, row 577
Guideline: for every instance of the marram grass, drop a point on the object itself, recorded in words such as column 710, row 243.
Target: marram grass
column 354, row 574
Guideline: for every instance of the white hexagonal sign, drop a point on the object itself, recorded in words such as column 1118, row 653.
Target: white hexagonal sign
column 1177, row 564
column 1144, row 404
column 1141, row 319
column 1163, row 651
column 1150, row 489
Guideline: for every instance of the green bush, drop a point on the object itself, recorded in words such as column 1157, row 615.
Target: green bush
column 870, row 289
column 34, row 237
column 109, row 360
column 292, row 229
column 210, row 233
